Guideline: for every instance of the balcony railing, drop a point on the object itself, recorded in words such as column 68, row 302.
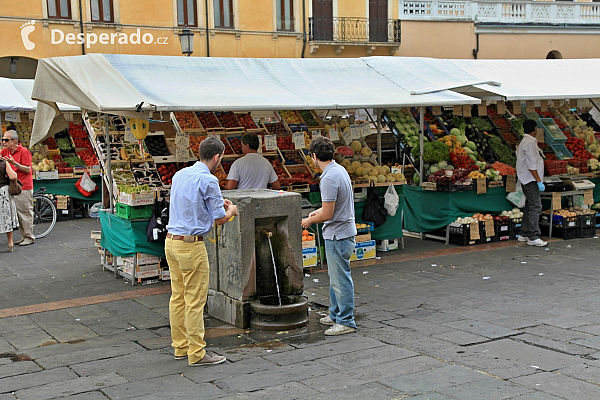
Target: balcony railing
column 536, row 12
column 353, row 30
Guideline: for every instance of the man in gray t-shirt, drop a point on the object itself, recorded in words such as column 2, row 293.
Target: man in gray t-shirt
column 252, row 171
column 339, row 230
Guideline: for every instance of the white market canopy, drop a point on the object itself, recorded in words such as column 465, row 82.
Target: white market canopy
column 15, row 95
column 119, row 83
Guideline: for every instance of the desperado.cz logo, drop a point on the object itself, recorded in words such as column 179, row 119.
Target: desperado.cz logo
column 57, row 37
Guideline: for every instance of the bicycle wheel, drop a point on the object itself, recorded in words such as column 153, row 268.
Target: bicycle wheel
column 44, row 216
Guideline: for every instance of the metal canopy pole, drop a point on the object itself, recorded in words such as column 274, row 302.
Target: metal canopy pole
column 421, row 112
column 108, row 163
column 379, row 155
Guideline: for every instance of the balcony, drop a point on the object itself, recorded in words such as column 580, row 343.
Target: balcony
column 341, row 31
column 502, row 12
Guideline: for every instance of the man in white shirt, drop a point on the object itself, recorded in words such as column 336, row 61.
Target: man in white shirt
column 252, row 171
column 530, row 171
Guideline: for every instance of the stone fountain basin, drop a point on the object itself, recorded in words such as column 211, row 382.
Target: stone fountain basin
column 268, row 315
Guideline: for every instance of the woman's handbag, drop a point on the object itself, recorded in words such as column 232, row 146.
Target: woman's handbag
column 14, row 187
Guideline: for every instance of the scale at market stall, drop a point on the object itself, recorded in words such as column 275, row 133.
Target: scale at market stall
column 555, row 184
column 581, row 183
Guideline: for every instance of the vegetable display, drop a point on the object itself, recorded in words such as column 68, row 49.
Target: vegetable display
column 503, row 153
column 432, row 151
column 73, row 161
column 504, row 169
column 64, row 144
column 133, row 188
column 481, row 124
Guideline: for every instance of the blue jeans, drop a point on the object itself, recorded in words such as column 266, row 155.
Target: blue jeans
column 530, row 227
column 341, row 287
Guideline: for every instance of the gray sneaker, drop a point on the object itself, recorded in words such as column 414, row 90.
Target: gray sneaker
column 338, row 329
column 26, row 242
column 522, row 239
column 209, row 358
column 537, row 242
column 326, row 321
column 181, row 357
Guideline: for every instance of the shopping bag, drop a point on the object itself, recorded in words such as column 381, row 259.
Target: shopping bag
column 86, row 185
column 391, row 200
column 517, row 197
column 374, row 212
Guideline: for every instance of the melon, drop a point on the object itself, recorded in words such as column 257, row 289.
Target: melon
column 390, row 177
column 399, row 177
column 387, row 169
column 344, row 124
column 456, row 132
column 350, row 169
column 381, row 170
column 366, row 152
column 356, row 164
column 346, row 162
column 327, row 127
column 367, row 164
column 373, row 172
column 356, row 146
column 359, row 171
column 366, row 171
column 381, row 178
column 373, row 178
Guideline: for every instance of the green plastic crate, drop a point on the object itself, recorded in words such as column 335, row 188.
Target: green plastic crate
column 314, row 197
column 133, row 212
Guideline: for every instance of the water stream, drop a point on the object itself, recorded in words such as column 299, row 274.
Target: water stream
column 274, row 270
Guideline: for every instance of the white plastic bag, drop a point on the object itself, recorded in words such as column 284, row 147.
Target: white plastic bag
column 391, row 200
column 87, row 183
column 517, row 197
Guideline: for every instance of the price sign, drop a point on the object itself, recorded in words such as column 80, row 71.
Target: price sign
column 474, row 228
column 544, row 105
column 347, row 137
column 11, row 116
column 556, row 103
column 511, row 183
column 354, row 132
column 316, row 134
column 530, row 106
column 489, row 228
column 482, row 109
column 556, row 201
column 181, row 155
column 129, row 135
column 588, row 196
column 481, row 186
column 365, row 129
column 182, row 140
column 466, row 109
column 270, row 142
column 260, row 143
column 333, row 135
column 457, row 110
column 437, row 110
column 501, row 107
column 298, row 138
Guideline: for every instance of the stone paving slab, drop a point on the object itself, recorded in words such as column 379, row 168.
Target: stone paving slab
column 95, row 395
column 487, row 389
column 160, row 387
column 371, row 391
column 592, row 342
column 290, row 390
column 29, row 338
column 16, row 324
column 481, row 328
column 555, row 345
column 18, row 368
column 99, row 353
column 36, row 379
column 70, row 387
column 561, row 386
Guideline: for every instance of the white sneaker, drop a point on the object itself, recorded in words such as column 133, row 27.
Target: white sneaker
column 523, row 239
column 338, row 329
column 326, row 321
column 537, row 242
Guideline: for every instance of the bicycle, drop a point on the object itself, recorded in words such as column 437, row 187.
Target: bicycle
column 44, row 213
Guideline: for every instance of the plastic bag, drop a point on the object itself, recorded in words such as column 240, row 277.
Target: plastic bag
column 374, row 212
column 86, row 185
column 391, row 200
column 517, row 197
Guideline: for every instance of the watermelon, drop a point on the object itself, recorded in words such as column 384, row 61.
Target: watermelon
column 346, row 151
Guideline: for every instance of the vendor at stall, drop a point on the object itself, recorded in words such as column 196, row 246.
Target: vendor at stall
column 252, row 171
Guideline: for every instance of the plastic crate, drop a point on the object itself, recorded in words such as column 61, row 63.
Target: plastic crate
column 460, row 235
column 369, row 228
column 561, row 151
column 561, row 232
column 133, row 212
column 502, row 230
column 552, row 133
column 448, row 187
column 587, row 225
column 313, row 197
column 587, row 231
column 515, row 228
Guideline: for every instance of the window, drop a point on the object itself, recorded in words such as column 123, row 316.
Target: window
column 59, row 9
column 102, row 10
column 186, row 13
column 223, row 13
column 285, row 15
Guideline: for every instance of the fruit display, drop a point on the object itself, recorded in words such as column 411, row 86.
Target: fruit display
column 290, row 117
column 275, row 128
column 195, row 143
column 476, row 175
column 80, row 136
column 146, row 175
column 454, row 176
column 307, row 140
column 285, row 143
column 279, row 170
column 406, row 126
column 308, row 118
column 132, row 151
column 228, row 149
column 577, row 148
column 219, row 173
column 157, row 146
column 307, row 236
column 166, row 172
column 43, row 165
column 208, row 120
column 311, row 165
column 226, row 166
column 187, row 120
column 228, row 120
column 88, row 157
column 343, row 126
column 292, row 157
column 128, row 188
column 51, row 143
column 463, row 161
column 122, row 174
column 236, row 145
column 246, row 121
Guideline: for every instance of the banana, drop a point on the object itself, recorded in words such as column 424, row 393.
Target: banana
column 137, row 153
column 124, row 155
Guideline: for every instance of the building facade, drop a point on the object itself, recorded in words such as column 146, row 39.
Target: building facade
column 34, row 29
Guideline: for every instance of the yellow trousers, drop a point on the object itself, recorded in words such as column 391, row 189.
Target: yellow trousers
column 188, row 265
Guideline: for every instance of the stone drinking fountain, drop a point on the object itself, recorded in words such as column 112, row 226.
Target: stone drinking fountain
column 256, row 272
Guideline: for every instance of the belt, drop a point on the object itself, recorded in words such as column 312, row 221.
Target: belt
column 186, row 238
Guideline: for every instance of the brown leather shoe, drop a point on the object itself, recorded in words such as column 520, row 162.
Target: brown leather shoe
column 209, row 358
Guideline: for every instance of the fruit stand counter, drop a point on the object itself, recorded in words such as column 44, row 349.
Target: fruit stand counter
column 66, row 187
column 124, row 237
column 391, row 229
column 427, row 211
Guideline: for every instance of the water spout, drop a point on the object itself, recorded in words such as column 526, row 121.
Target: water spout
column 268, row 235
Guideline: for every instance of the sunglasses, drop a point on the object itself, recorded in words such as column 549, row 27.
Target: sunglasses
column 6, row 140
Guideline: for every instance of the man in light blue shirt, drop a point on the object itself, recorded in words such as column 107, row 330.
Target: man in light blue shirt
column 196, row 205
column 339, row 230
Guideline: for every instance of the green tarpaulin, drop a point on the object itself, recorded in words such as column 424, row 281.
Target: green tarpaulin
column 391, row 229
column 124, row 238
column 427, row 211
column 66, row 187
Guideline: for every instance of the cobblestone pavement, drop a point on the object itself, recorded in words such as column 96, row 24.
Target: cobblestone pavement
column 502, row 323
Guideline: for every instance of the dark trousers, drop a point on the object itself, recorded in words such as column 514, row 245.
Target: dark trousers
column 530, row 227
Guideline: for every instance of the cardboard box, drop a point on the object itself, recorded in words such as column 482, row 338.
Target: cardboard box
column 94, row 170
column 62, row 202
column 309, row 243
column 144, row 271
column 142, row 259
column 166, row 275
column 387, row 244
column 46, row 175
column 137, row 199
column 365, row 237
column 363, row 251
column 96, row 235
column 309, row 257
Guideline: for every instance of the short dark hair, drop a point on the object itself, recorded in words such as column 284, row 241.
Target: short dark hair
column 251, row 139
column 322, row 148
column 529, row 126
column 210, row 147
